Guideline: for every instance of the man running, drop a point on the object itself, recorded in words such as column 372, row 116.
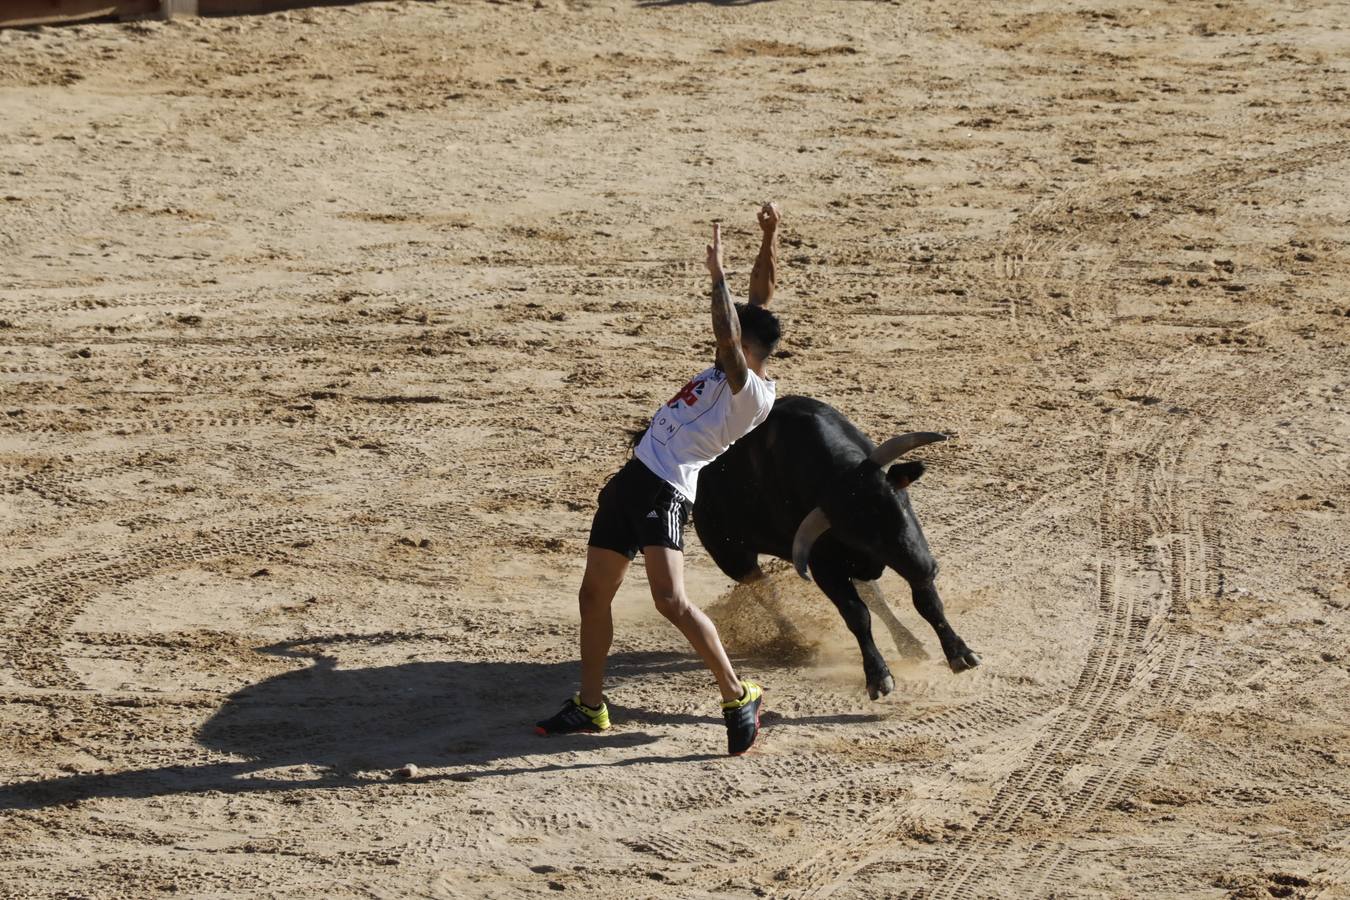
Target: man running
column 646, row 505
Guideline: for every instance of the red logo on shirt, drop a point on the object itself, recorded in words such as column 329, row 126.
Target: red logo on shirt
column 689, row 393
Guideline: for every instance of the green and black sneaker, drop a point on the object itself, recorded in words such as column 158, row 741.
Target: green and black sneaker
column 575, row 716
column 743, row 718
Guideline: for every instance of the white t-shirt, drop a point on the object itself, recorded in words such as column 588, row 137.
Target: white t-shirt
column 700, row 423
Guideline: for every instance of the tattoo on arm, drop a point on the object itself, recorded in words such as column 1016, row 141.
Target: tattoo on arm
column 727, row 330
column 764, row 276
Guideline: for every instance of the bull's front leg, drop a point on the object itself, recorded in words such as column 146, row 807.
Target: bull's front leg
column 905, row 641
column 929, row 604
column 833, row 579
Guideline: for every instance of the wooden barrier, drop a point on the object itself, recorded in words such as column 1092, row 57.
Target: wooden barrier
column 52, row 12
column 46, row 12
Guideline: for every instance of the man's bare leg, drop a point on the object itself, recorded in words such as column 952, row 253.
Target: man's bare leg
column 665, row 575
column 604, row 573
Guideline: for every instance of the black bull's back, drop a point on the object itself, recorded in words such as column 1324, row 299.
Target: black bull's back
column 752, row 498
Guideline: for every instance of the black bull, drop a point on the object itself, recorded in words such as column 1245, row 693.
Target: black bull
column 808, row 475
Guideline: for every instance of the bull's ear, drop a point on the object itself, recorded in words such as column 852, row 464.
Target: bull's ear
column 902, row 475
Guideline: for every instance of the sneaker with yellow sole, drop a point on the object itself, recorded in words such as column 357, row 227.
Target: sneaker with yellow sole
column 742, row 718
column 575, row 716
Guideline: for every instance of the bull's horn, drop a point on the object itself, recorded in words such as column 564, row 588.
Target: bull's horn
column 901, row 444
column 813, row 526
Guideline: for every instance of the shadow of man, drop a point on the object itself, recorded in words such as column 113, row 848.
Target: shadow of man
column 336, row 727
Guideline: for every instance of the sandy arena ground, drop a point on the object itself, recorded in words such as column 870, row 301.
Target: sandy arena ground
column 319, row 332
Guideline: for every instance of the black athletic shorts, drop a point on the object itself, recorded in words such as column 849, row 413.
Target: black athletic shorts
column 639, row 509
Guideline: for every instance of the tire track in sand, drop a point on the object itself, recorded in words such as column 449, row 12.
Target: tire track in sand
column 1153, row 561
column 1149, row 522
column 1105, row 217
column 56, row 592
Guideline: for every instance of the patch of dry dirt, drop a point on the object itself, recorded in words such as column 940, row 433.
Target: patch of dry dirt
column 319, row 332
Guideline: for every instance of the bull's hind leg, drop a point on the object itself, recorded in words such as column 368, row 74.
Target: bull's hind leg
column 832, row 577
column 929, row 604
column 905, row 641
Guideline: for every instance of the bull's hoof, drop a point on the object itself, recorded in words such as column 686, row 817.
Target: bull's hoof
column 964, row 661
column 880, row 688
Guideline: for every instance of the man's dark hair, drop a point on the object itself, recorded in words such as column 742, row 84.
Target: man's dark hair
column 760, row 327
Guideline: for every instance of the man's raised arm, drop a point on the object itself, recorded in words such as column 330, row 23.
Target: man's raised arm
column 764, row 276
column 726, row 324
